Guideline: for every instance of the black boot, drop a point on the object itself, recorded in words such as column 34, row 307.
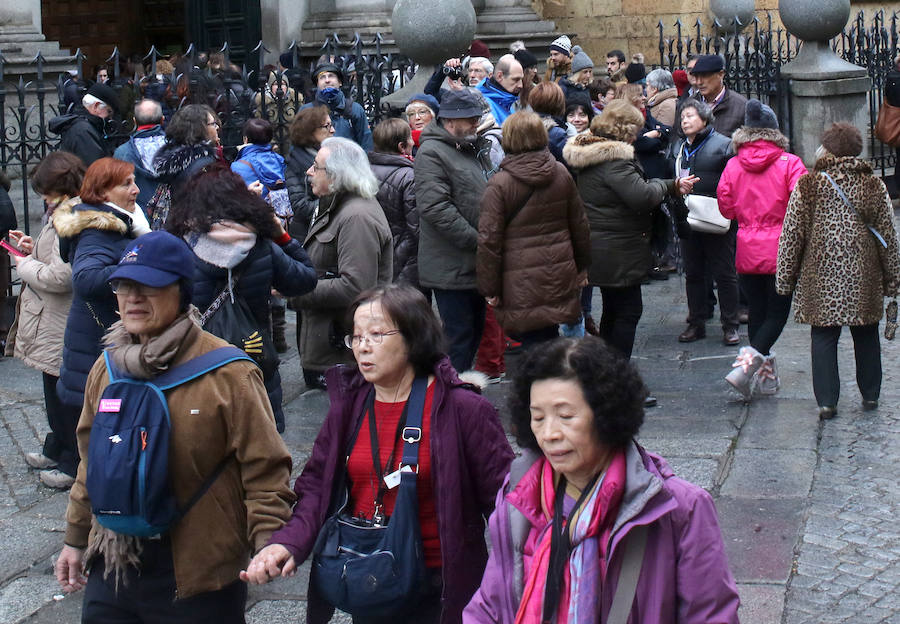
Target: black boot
column 278, row 327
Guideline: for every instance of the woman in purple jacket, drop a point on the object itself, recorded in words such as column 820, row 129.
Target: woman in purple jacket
column 585, row 508
column 463, row 456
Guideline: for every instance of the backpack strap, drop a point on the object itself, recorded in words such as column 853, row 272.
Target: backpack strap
column 635, row 544
column 199, row 366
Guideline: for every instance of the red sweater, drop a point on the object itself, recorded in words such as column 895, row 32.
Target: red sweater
column 364, row 487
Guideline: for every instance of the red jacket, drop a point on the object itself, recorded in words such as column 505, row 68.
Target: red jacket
column 754, row 189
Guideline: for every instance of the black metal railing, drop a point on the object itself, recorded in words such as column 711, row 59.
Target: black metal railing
column 754, row 55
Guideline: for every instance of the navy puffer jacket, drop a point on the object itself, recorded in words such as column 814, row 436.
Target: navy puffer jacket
column 397, row 196
column 287, row 269
column 92, row 239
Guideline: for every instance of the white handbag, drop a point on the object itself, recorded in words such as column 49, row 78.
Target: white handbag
column 703, row 211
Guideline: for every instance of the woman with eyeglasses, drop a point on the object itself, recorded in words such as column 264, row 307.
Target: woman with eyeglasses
column 421, row 109
column 192, row 142
column 309, row 128
column 92, row 236
column 351, row 246
column 396, row 338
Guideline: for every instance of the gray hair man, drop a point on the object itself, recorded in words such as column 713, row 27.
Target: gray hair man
column 451, row 171
column 85, row 132
column 142, row 145
column 351, row 247
column 502, row 89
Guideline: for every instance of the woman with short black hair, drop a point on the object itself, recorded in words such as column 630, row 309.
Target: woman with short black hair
column 585, row 502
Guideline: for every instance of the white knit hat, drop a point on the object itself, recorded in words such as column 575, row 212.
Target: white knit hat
column 562, row 44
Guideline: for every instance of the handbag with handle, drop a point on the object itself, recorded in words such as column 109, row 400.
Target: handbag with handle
column 703, row 211
column 887, row 128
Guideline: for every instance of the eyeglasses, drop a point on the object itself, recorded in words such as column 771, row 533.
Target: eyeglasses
column 327, row 126
column 318, row 167
column 128, row 287
column 213, row 124
column 418, row 112
column 351, row 342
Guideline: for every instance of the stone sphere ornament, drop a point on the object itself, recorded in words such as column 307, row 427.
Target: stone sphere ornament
column 814, row 20
column 431, row 31
column 726, row 10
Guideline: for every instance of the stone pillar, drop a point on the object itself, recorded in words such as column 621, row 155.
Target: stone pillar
column 21, row 40
column 823, row 87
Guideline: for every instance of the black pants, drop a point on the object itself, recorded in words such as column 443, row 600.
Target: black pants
column 60, row 445
column 462, row 312
column 149, row 596
column 536, row 336
column 715, row 253
column 826, row 381
column 768, row 310
column 622, row 309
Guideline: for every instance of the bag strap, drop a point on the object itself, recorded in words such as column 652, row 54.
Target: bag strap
column 412, row 432
column 635, row 544
column 256, row 173
column 846, row 200
column 204, row 487
column 231, row 281
column 518, row 209
column 199, row 366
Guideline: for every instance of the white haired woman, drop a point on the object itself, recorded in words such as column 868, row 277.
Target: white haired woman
column 662, row 96
column 350, row 244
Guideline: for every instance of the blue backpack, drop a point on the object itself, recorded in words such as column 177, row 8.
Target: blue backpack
column 128, row 452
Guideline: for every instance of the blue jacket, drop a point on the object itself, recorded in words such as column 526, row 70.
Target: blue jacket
column 92, row 239
column 287, row 269
column 259, row 162
column 500, row 100
column 139, row 150
column 349, row 118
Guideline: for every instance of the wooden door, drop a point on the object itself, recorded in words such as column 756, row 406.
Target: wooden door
column 210, row 23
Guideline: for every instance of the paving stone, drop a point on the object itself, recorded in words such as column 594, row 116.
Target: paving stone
column 761, row 604
column 770, row 473
column 781, row 424
column 25, row 595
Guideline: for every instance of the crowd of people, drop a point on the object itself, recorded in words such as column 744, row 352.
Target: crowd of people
column 417, row 255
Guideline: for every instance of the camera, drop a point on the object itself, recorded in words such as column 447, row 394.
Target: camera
column 453, row 73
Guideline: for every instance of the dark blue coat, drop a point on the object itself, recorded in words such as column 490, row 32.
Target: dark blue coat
column 92, row 239
column 287, row 269
column 348, row 117
column 139, row 150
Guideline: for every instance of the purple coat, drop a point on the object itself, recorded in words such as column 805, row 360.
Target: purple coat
column 470, row 456
column 684, row 578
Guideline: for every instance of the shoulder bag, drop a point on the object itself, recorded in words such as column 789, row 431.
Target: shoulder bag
column 703, row 211
column 375, row 567
column 850, row 205
column 887, row 128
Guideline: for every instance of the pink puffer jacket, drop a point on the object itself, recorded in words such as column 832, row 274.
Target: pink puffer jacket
column 754, row 189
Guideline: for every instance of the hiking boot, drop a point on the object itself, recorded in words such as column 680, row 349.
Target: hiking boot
column 692, row 334
column 39, row 461
column 743, row 370
column 56, row 479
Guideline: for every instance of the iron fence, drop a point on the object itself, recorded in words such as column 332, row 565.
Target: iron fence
column 754, row 54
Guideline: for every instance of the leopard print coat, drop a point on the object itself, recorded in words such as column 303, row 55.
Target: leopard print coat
column 840, row 272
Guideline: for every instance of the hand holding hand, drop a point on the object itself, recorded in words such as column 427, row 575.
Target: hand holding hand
column 268, row 563
column 69, row 569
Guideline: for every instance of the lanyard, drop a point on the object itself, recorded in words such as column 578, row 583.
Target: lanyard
column 688, row 154
column 560, row 547
column 376, row 453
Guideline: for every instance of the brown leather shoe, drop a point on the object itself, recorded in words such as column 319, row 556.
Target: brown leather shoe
column 731, row 337
column 692, row 334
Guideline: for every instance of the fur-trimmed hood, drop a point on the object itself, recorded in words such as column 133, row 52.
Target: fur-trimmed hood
column 748, row 134
column 586, row 150
column 71, row 220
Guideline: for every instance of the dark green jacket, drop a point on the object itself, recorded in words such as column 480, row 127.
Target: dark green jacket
column 619, row 204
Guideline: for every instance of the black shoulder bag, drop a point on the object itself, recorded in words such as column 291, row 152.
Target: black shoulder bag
column 376, row 567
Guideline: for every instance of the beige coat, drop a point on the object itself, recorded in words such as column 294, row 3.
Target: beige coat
column 662, row 106
column 351, row 247
column 43, row 306
column 223, row 412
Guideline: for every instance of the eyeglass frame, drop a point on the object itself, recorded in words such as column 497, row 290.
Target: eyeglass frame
column 419, row 112
column 368, row 337
column 327, row 126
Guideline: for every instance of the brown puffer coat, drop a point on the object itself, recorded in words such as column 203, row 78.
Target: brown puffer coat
column 839, row 270
column 531, row 258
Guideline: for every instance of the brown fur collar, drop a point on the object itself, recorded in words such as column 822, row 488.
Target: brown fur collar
column 849, row 164
column 70, row 222
column 747, row 134
column 585, row 150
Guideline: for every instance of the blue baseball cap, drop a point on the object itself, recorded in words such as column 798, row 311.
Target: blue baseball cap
column 156, row 259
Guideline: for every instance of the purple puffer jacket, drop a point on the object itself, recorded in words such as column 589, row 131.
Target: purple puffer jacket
column 684, row 578
column 470, row 456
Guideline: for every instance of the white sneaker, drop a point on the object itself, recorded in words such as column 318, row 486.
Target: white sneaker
column 767, row 381
column 39, row 461
column 56, row 479
column 744, row 369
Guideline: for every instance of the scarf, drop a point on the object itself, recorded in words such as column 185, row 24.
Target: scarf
column 141, row 361
column 226, row 245
column 589, row 530
column 139, row 223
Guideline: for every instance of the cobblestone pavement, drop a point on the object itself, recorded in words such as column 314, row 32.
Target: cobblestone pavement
column 807, row 508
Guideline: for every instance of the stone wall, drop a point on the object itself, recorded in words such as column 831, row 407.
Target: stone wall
column 631, row 25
